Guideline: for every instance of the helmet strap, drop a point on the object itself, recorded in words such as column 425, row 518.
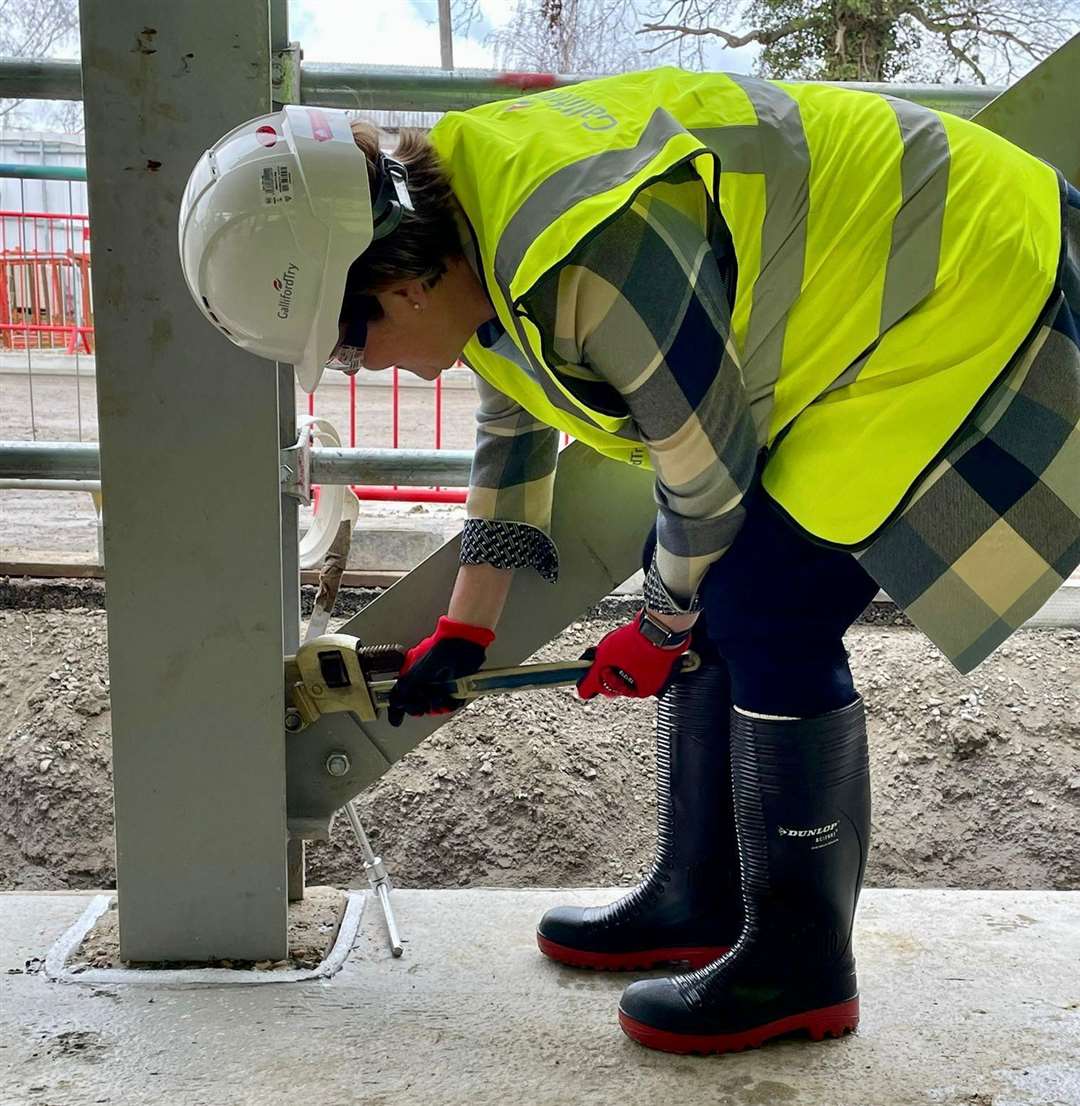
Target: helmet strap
column 391, row 196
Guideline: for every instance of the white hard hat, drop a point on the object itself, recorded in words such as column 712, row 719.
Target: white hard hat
column 272, row 217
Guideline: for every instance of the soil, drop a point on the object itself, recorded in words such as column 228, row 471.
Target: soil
column 976, row 780
column 314, row 922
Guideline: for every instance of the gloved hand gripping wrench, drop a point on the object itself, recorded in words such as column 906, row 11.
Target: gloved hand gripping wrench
column 335, row 673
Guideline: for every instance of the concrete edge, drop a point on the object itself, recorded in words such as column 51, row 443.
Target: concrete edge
column 17, row 592
column 56, row 958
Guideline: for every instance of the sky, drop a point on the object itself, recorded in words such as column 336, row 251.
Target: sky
column 381, row 32
column 406, row 32
column 388, row 32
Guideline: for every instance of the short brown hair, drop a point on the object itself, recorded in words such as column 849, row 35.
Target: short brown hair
column 418, row 248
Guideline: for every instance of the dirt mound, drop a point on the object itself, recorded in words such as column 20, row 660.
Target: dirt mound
column 56, row 818
column 976, row 780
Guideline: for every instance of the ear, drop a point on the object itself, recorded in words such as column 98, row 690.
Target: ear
column 408, row 292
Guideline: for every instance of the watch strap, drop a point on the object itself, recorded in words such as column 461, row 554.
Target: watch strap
column 659, row 634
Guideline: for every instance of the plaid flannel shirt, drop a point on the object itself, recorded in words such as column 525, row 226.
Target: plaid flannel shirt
column 636, row 323
column 993, row 529
column 983, row 538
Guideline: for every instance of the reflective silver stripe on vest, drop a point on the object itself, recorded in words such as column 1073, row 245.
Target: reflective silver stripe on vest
column 551, row 199
column 775, row 147
column 586, row 177
column 851, row 373
column 785, row 162
column 911, row 271
column 916, row 231
column 738, row 147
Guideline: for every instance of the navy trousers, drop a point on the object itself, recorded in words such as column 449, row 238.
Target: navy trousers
column 775, row 610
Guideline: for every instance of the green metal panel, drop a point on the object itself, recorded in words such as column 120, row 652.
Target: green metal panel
column 1041, row 112
column 593, row 561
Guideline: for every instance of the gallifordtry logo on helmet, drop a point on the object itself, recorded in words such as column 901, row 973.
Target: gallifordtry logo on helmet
column 284, row 287
column 287, row 177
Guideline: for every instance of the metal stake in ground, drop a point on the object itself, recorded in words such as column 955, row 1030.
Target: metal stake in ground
column 377, row 877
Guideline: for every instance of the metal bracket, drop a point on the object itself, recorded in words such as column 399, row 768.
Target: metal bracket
column 285, row 75
column 296, row 467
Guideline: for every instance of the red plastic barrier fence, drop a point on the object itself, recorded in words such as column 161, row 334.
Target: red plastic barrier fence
column 45, row 300
column 46, row 304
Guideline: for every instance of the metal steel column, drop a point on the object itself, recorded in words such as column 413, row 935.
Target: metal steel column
column 193, row 559
column 1038, row 112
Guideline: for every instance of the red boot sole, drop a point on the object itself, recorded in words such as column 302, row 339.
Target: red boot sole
column 641, row 960
column 829, row 1021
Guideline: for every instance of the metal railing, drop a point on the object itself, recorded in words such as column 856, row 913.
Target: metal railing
column 421, row 89
column 45, row 298
column 67, row 461
column 45, row 306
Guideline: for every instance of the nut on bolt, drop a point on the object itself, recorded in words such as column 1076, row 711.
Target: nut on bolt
column 338, row 764
column 293, row 722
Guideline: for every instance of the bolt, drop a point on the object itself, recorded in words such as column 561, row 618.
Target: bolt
column 293, row 722
column 317, row 689
column 338, row 764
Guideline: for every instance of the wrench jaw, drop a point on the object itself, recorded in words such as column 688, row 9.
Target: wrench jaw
column 326, row 676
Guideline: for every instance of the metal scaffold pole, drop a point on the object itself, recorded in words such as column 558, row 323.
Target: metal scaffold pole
column 414, row 88
column 193, row 565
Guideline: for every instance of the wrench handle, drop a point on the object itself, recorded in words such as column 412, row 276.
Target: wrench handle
column 526, row 677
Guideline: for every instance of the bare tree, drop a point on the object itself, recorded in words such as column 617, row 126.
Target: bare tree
column 463, row 14
column 874, row 40
column 36, row 29
column 566, row 36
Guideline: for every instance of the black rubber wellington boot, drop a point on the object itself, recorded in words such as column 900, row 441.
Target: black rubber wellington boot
column 688, row 908
column 802, row 805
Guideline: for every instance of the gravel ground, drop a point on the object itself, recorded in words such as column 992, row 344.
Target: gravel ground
column 976, row 780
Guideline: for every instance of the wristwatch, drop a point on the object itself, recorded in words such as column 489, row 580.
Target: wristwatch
column 659, row 634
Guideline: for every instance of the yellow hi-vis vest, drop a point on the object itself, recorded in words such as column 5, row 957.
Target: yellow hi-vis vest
column 891, row 259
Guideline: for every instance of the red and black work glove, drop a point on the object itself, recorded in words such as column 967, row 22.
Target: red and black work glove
column 454, row 650
column 627, row 663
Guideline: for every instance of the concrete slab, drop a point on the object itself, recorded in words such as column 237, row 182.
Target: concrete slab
column 969, row 999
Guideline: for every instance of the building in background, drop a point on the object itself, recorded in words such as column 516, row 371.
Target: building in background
column 45, row 297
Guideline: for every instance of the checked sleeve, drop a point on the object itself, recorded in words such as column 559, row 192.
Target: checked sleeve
column 644, row 308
